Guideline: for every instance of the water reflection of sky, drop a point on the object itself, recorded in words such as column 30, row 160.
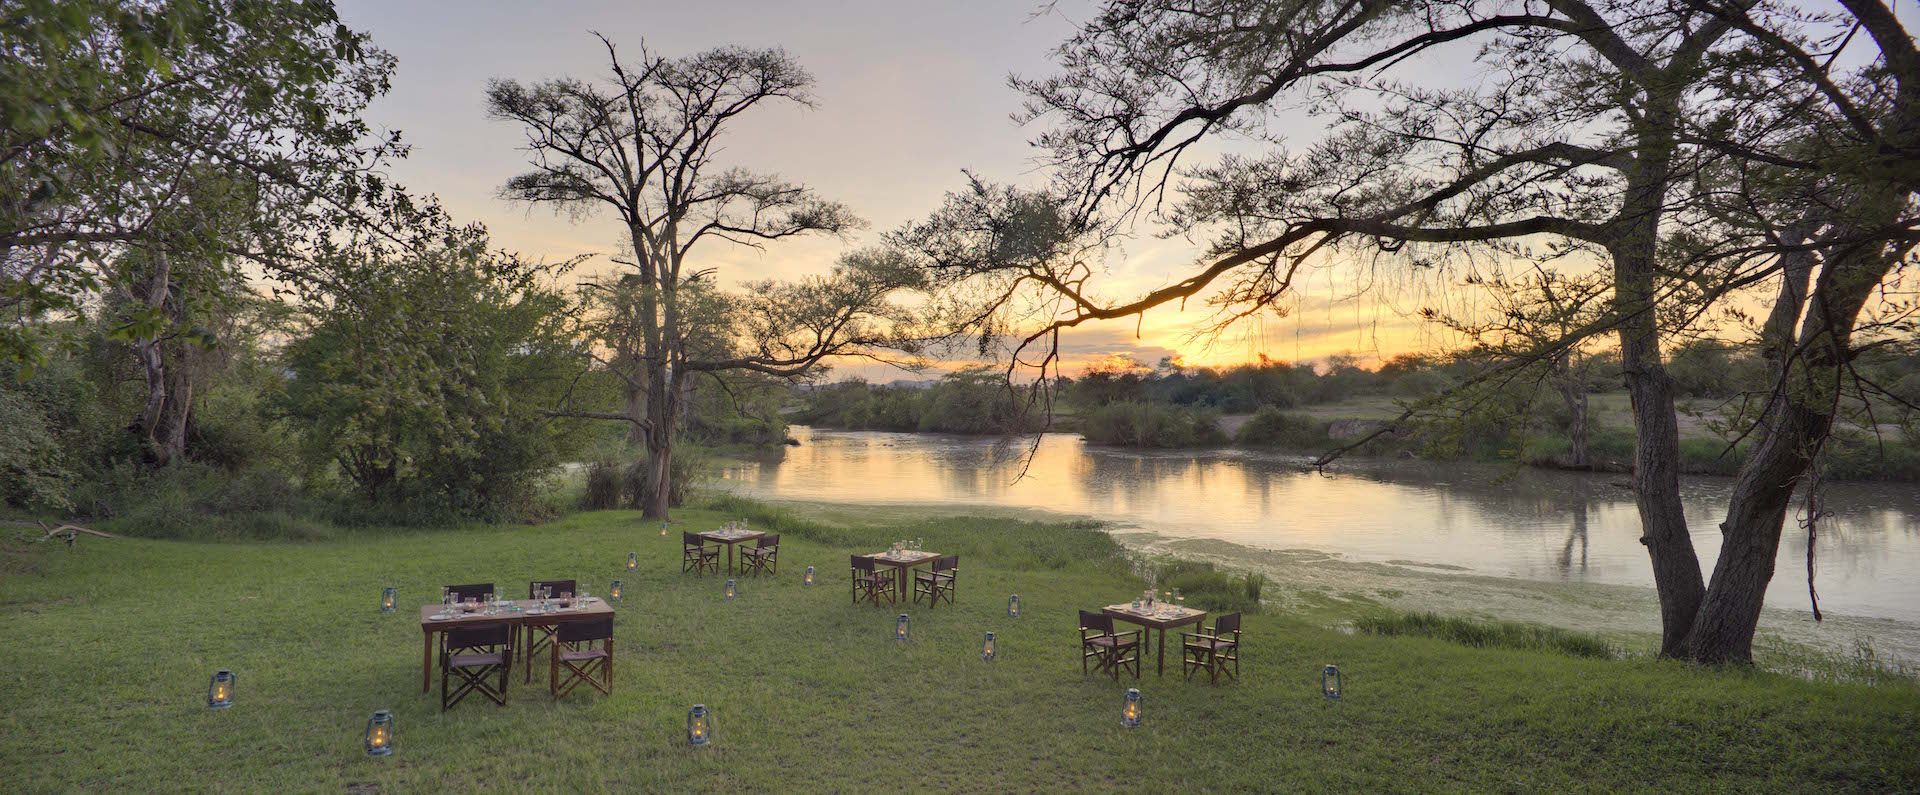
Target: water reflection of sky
column 1491, row 520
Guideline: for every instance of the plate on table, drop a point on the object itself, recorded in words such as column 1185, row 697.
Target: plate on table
column 439, row 617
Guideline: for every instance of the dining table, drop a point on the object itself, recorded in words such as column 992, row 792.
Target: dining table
column 1160, row 616
column 731, row 537
column 516, row 614
column 902, row 561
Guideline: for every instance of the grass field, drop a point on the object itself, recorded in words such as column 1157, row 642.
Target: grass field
column 108, row 649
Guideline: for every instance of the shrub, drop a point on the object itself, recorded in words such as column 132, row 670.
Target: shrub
column 1271, row 427
column 1152, row 425
column 1206, row 587
column 603, row 486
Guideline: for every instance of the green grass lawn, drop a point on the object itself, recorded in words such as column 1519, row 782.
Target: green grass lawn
column 108, row 649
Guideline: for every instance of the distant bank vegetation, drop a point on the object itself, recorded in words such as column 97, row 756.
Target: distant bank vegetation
column 1271, row 404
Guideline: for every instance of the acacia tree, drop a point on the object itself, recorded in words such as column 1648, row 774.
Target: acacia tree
column 644, row 144
column 1581, row 144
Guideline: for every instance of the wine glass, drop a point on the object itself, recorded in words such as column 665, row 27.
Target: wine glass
column 1179, row 599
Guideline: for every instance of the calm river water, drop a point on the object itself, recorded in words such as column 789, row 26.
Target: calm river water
column 1482, row 518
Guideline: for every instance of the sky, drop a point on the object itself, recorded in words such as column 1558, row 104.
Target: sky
column 908, row 94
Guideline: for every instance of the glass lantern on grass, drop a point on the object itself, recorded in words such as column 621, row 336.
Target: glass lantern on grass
column 633, row 561
column 987, row 649
column 220, row 690
column 900, row 626
column 699, row 727
column 809, row 578
column 389, row 600
column 1130, row 708
column 1013, row 606
column 380, row 733
column 1330, row 682
column 732, row 590
column 663, row 529
column 613, row 593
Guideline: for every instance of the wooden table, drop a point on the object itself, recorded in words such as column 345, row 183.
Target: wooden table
column 730, row 538
column 514, row 619
column 1151, row 621
column 903, row 564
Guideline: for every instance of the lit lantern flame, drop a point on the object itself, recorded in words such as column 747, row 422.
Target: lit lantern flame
column 613, row 594
column 987, row 650
column 1130, row 708
column 663, row 529
column 380, row 733
column 220, row 690
column 699, row 731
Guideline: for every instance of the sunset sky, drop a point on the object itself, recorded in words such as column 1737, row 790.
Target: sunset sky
column 908, row 95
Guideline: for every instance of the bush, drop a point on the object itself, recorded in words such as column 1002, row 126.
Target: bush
column 1271, row 427
column 1152, row 425
column 603, row 486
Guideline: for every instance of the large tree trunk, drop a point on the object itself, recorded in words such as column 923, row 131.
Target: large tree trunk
column 1800, row 413
column 1656, row 449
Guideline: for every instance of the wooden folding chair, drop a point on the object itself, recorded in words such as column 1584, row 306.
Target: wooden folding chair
column 1110, row 651
column 696, row 556
column 573, row 650
column 764, row 555
column 538, row 638
column 1213, row 650
column 474, row 655
column 870, row 583
column 937, row 583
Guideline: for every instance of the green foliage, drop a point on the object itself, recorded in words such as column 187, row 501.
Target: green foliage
column 1152, row 425
column 118, row 113
column 973, row 401
column 33, row 467
column 1272, row 427
column 426, row 389
column 1487, row 634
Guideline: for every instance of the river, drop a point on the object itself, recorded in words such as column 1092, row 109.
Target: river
column 1471, row 518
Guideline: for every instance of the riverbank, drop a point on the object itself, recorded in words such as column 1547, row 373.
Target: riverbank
column 114, row 640
column 1329, row 589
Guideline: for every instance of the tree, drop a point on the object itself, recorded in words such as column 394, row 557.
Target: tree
column 118, row 114
column 1597, row 136
column 425, row 389
column 644, row 145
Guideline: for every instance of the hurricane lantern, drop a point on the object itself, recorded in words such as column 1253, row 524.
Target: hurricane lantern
column 900, row 626
column 986, row 649
column 220, row 690
column 699, row 728
column 380, row 733
column 732, row 590
column 613, row 594
column 809, row 578
column 1330, row 682
column 1130, row 708
column 663, row 529
column 633, row 561
column 389, row 600
column 1013, row 606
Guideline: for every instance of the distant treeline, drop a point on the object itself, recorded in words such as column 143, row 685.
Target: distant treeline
column 1298, row 406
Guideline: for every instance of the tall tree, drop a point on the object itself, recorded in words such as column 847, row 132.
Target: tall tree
column 1580, row 144
column 115, row 110
column 644, row 144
